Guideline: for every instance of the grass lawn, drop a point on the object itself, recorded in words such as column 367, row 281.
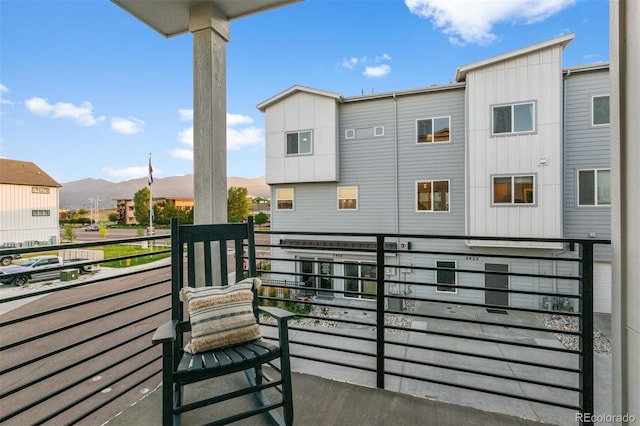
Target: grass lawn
column 121, row 250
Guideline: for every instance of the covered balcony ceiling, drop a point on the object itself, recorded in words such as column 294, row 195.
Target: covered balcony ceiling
column 171, row 17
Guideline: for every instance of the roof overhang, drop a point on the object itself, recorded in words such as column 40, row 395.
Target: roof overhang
column 564, row 40
column 262, row 106
column 171, row 17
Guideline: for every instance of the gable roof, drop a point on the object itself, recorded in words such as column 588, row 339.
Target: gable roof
column 15, row 172
column 564, row 40
column 262, row 106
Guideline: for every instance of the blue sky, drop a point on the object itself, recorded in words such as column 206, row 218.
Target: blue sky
column 87, row 90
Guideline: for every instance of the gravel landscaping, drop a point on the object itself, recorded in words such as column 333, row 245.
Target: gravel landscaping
column 601, row 343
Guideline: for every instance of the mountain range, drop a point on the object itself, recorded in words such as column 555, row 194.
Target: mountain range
column 76, row 194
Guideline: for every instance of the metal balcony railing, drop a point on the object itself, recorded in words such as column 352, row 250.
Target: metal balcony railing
column 79, row 352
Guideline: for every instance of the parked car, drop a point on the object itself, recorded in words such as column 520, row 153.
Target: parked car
column 6, row 259
column 38, row 268
column 93, row 227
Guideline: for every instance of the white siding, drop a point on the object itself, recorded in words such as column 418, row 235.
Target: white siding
column 18, row 225
column 533, row 77
column 302, row 111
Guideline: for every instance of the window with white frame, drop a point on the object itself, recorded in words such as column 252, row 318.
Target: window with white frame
column 600, row 110
column 446, row 274
column 361, row 280
column 594, row 187
column 378, row 131
column 300, row 142
column 347, row 198
column 432, row 196
column 514, row 190
column 350, row 134
column 40, row 212
column 513, row 118
column 284, row 199
column 435, row 129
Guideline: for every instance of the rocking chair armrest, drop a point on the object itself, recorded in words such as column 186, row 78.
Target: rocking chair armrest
column 166, row 333
column 277, row 313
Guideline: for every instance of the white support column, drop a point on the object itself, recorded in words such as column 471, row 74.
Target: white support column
column 210, row 29
column 625, row 205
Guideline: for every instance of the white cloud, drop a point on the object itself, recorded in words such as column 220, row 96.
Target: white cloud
column 378, row 71
column 239, row 136
column 130, row 172
column 82, row 115
column 185, row 154
column 349, row 63
column 383, row 57
column 4, row 89
column 186, row 136
column 247, row 137
column 237, row 119
column 127, row 126
column 186, row 114
column 472, row 21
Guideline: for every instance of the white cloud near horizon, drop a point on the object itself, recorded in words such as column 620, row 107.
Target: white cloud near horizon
column 82, row 115
column 472, row 21
column 127, row 126
column 377, row 71
column 238, row 136
column 133, row 172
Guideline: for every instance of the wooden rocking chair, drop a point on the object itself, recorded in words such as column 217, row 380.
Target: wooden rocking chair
column 181, row 368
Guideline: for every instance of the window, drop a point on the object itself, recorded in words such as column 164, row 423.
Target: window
column 284, row 199
column 433, row 130
column 378, row 131
column 316, row 273
column 40, row 212
column 515, row 118
column 350, row 134
column 513, row 190
column 593, row 187
column 348, row 198
column 600, row 110
column 299, row 142
column 446, row 276
column 361, row 279
column 432, row 196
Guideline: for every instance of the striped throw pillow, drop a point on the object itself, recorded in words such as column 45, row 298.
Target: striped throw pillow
column 220, row 316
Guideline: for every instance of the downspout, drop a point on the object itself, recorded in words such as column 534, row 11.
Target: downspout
column 395, row 154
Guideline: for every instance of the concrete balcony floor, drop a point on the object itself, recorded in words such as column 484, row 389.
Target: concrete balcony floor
column 322, row 397
column 319, row 401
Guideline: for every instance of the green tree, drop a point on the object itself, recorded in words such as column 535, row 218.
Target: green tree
column 261, row 218
column 68, row 232
column 113, row 217
column 141, row 206
column 103, row 231
column 237, row 204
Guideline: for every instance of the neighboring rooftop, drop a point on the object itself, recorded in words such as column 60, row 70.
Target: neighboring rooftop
column 14, row 172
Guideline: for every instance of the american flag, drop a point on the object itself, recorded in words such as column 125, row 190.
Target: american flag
column 150, row 171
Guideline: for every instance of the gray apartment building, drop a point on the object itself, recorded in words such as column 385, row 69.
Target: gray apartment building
column 517, row 146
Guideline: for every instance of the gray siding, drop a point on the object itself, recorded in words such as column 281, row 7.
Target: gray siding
column 431, row 161
column 368, row 162
column 585, row 147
